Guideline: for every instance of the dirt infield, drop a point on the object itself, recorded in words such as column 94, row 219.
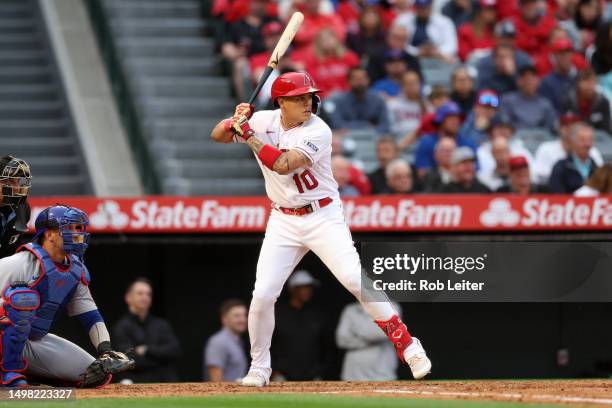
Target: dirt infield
column 574, row 392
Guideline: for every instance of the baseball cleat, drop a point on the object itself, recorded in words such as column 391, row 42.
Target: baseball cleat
column 256, row 378
column 417, row 360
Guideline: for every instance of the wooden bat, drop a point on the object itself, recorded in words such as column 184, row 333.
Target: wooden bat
column 283, row 43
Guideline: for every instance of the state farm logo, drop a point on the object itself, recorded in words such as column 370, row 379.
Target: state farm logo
column 500, row 212
column 109, row 215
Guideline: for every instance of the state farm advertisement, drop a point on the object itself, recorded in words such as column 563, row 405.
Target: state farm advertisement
column 419, row 213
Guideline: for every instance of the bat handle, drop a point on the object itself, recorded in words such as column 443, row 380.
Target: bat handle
column 260, row 84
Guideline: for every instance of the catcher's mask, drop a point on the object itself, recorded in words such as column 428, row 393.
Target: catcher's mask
column 15, row 180
column 72, row 224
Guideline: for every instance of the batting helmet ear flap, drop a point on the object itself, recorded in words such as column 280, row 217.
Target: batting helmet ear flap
column 316, row 103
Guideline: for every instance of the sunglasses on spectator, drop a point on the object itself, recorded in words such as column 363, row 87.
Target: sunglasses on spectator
column 488, row 100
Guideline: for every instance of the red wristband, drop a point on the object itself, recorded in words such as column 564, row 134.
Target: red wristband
column 227, row 125
column 268, row 155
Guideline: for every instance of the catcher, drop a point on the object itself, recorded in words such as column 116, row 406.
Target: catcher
column 42, row 278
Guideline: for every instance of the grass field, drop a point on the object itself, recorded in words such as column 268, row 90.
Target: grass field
column 396, row 394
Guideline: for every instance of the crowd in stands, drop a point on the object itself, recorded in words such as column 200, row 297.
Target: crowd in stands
column 511, row 70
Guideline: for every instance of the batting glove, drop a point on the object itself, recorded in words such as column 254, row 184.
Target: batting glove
column 241, row 127
column 244, row 109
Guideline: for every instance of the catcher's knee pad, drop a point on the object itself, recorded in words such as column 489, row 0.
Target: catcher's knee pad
column 19, row 305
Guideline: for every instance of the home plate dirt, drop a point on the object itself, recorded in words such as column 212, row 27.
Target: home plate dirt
column 575, row 392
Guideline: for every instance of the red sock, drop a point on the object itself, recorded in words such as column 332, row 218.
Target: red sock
column 397, row 332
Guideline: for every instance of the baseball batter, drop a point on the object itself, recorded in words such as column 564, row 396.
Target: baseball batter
column 293, row 149
column 42, row 278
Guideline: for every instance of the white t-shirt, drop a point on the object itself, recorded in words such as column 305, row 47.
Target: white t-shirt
column 307, row 184
column 404, row 116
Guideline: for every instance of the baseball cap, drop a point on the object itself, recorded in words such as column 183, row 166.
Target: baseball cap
column 301, row 278
column 568, row 118
column 272, row 28
column 518, row 162
column 462, row 154
column 488, row 97
column 446, row 110
column 562, row 45
column 505, row 28
column 422, row 3
column 394, row 55
column 487, row 3
column 527, row 69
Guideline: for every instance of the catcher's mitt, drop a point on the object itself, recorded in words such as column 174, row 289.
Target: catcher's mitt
column 109, row 362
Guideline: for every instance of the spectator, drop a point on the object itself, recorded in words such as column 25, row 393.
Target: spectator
column 395, row 68
column 459, row 11
column 340, row 169
column 520, row 180
column 315, row 21
column 477, row 35
column 525, row 108
column 328, row 62
column 369, row 355
column 405, row 111
column 357, row 178
column 570, row 173
column 224, row 355
column 236, row 10
column 602, row 57
column 437, row 97
column 432, row 35
column 586, row 102
column 448, row 119
column 557, row 85
column 559, row 55
column 396, row 39
column 463, row 168
column 370, row 36
column 479, row 121
column 299, row 326
column 501, row 76
column 359, row 108
column 505, row 36
column 587, row 19
column 386, row 151
column 497, row 176
column 399, row 177
column 600, row 182
column 155, row 346
column 441, row 175
column 532, row 27
column 244, row 39
column 462, row 92
column 505, row 130
column 549, row 153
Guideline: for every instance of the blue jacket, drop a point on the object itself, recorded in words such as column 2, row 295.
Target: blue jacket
column 565, row 178
column 556, row 87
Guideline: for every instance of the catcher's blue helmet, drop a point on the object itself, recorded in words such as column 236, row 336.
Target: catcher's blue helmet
column 62, row 217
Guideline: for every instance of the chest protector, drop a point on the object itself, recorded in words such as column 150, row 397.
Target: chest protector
column 55, row 285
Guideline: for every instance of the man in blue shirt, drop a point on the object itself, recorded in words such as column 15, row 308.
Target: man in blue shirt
column 557, row 85
column 448, row 120
column 359, row 108
column 395, row 68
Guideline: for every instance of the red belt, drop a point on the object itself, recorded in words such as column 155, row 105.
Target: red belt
column 307, row 209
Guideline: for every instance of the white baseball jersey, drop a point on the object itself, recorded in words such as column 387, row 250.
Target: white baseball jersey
column 304, row 185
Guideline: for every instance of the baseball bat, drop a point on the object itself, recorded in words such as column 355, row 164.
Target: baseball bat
column 291, row 29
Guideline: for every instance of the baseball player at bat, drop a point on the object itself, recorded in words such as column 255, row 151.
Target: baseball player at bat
column 44, row 277
column 293, row 148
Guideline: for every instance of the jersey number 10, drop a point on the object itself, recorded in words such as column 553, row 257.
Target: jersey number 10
column 305, row 179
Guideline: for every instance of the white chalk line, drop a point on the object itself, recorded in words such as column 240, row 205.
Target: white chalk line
column 544, row 397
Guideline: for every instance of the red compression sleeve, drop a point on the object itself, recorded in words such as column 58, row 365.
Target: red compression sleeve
column 268, row 155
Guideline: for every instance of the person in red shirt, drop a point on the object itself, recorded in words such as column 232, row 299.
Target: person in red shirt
column 356, row 178
column 533, row 26
column 271, row 33
column 328, row 62
column 238, row 9
column 559, row 43
column 314, row 22
column 478, row 34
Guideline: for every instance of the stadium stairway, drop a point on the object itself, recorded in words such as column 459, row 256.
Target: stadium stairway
column 35, row 120
column 169, row 58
